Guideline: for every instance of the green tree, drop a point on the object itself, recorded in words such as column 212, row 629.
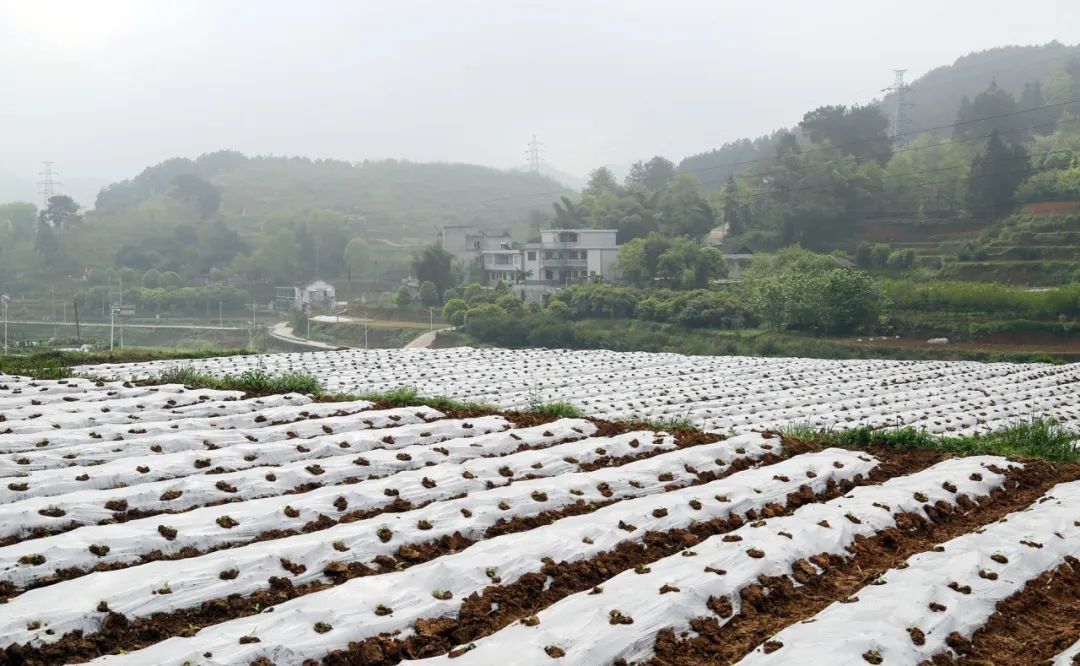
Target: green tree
column 196, row 192
column 861, row 131
column 987, row 113
column 429, row 295
column 169, row 280
column 454, row 311
column 996, row 172
column 434, row 265
column 682, row 210
column 358, row 258
column 151, row 279
column 403, row 297
column 653, row 175
column 60, row 213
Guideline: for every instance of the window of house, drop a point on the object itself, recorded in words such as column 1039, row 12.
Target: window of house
column 502, row 259
column 548, row 275
column 532, row 256
column 567, row 237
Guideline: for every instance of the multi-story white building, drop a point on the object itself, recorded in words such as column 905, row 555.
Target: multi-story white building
column 568, row 256
column 536, row 270
column 493, row 253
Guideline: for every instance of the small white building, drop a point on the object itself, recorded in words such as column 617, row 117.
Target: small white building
column 319, row 296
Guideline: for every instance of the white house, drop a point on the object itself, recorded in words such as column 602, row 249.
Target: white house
column 318, row 296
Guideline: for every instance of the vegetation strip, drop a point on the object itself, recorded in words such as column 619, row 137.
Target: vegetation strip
column 780, row 601
column 498, row 560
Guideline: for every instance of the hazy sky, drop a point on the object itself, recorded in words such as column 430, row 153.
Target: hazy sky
column 106, row 87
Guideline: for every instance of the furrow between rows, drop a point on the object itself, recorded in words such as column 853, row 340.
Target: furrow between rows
column 622, row 620
column 939, row 598
column 374, row 606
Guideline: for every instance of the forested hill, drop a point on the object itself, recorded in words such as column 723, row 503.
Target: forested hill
column 400, row 199
column 934, row 98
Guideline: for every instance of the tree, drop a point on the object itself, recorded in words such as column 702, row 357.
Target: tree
column 987, row 113
column 861, row 131
column 45, row 243
column 151, row 279
column 454, row 311
column 682, row 211
column 358, row 256
column 434, row 265
column 169, row 279
column 429, row 296
column 802, row 290
column 199, row 194
column 568, row 215
column 996, row 172
column 61, row 211
column 653, row 175
column 602, row 181
column 403, row 297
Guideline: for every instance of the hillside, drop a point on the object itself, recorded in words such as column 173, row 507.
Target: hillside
column 400, row 200
column 934, row 100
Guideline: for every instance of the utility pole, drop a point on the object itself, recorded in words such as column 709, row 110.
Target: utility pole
column 4, row 304
column 219, row 319
column 78, row 333
column 900, row 105
column 535, row 152
column 48, row 183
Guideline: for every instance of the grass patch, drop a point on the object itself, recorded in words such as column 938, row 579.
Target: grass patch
column 254, row 382
column 562, row 410
column 408, row 396
column 1037, row 437
column 59, row 364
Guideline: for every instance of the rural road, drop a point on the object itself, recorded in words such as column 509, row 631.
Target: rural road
column 189, row 327
column 283, row 331
column 424, row 341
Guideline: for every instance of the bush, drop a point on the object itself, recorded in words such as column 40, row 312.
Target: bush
column 429, row 295
column 403, row 297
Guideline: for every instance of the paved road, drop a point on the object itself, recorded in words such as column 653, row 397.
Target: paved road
column 424, row 341
column 283, row 331
column 188, row 327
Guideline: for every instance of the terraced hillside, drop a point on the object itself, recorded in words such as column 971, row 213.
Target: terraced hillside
column 717, row 393
column 171, row 525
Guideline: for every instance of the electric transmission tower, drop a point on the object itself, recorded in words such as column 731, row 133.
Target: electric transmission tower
column 535, row 153
column 900, row 105
column 48, row 182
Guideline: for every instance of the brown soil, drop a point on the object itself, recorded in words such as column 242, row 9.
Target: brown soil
column 120, row 633
column 499, row 605
column 1030, row 627
column 684, row 438
column 775, row 603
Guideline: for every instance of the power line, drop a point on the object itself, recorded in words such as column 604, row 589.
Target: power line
column 505, row 199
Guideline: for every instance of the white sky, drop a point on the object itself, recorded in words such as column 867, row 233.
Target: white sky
column 107, row 87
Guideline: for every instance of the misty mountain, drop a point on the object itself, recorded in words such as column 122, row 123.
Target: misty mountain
column 932, row 102
column 398, row 199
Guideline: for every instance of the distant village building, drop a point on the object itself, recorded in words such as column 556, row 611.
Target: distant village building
column 536, row 270
column 493, row 253
column 319, row 296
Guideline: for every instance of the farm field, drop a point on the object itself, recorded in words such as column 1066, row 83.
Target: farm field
column 160, row 524
column 716, row 393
